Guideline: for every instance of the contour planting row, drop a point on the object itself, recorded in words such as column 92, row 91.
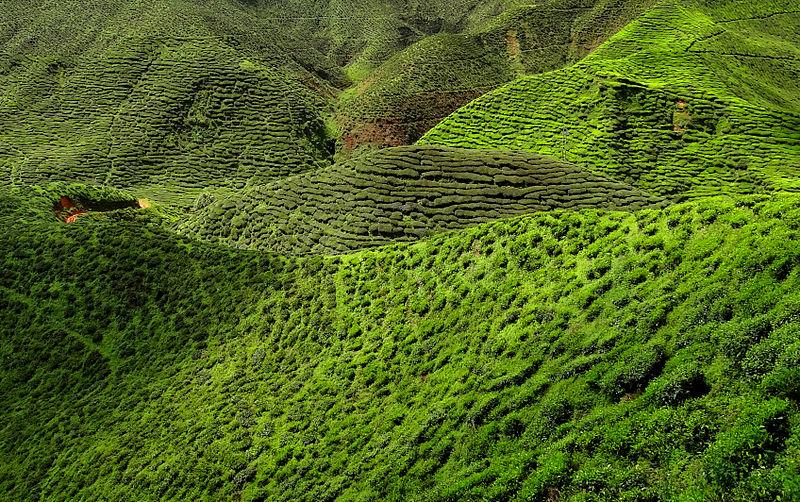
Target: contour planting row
column 152, row 108
column 402, row 193
column 407, row 95
column 190, row 114
column 649, row 109
column 362, row 34
column 664, row 142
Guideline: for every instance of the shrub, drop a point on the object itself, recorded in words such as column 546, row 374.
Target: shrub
column 783, row 382
column 635, row 370
column 738, row 337
column 759, row 432
column 761, row 358
column 544, row 483
column 684, row 383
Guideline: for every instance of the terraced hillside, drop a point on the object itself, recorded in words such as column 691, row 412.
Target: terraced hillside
column 410, row 93
column 167, row 96
column 362, row 34
column 170, row 96
column 402, row 193
column 692, row 98
column 579, row 355
column 581, row 286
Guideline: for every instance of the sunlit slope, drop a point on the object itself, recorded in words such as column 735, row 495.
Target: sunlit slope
column 407, row 95
column 691, row 98
column 596, row 355
column 163, row 95
column 402, row 193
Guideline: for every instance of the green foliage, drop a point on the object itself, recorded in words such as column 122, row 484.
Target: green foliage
column 750, row 444
column 690, row 99
column 684, row 383
column 419, row 86
column 402, row 193
column 438, row 370
column 531, row 329
column 165, row 97
column 638, row 367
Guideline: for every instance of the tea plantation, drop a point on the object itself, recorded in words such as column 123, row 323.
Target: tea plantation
column 397, row 250
column 166, row 97
column 579, row 355
column 407, row 95
column 402, row 193
column 692, row 98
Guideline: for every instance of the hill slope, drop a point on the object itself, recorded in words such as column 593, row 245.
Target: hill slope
column 163, row 95
column 692, row 98
column 408, row 94
column 201, row 321
column 402, row 193
column 169, row 96
column 599, row 355
column 362, row 34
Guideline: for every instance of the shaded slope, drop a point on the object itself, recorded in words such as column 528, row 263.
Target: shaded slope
column 597, row 355
column 401, row 194
column 692, row 98
column 165, row 95
column 362, row 34
column 415, row 89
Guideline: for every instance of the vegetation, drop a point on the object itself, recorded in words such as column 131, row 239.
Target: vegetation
column 402, row 193
column 411, row 92
column 693, row 98
column 590, row 354
column 166, row 97
column 226, row 275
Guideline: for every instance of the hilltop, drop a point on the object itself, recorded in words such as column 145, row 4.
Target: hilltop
column 401, row 194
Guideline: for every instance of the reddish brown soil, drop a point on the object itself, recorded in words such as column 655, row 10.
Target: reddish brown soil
column 68, row 210
column 417, row 116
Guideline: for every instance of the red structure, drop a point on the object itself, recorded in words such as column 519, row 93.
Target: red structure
column 66, row 210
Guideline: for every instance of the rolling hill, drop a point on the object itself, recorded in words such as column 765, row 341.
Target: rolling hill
column 227, row 274
column 163, row 96
column 693, row 98
column 594, row 354
column 403, row 193
column 396, row 103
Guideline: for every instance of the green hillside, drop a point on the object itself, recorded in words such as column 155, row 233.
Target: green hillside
column 401, row 193
column 362, row 34
column 407, row 95
column 226, row 273
column 596, row 355
column 692, row 98
column 164, row 96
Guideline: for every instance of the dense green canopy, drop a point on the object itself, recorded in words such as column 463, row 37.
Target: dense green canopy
column 229, row 270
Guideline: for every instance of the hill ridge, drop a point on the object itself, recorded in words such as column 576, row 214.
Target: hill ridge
column 401, row 193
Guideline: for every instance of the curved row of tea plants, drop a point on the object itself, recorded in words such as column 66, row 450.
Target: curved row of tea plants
column 402, row 193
